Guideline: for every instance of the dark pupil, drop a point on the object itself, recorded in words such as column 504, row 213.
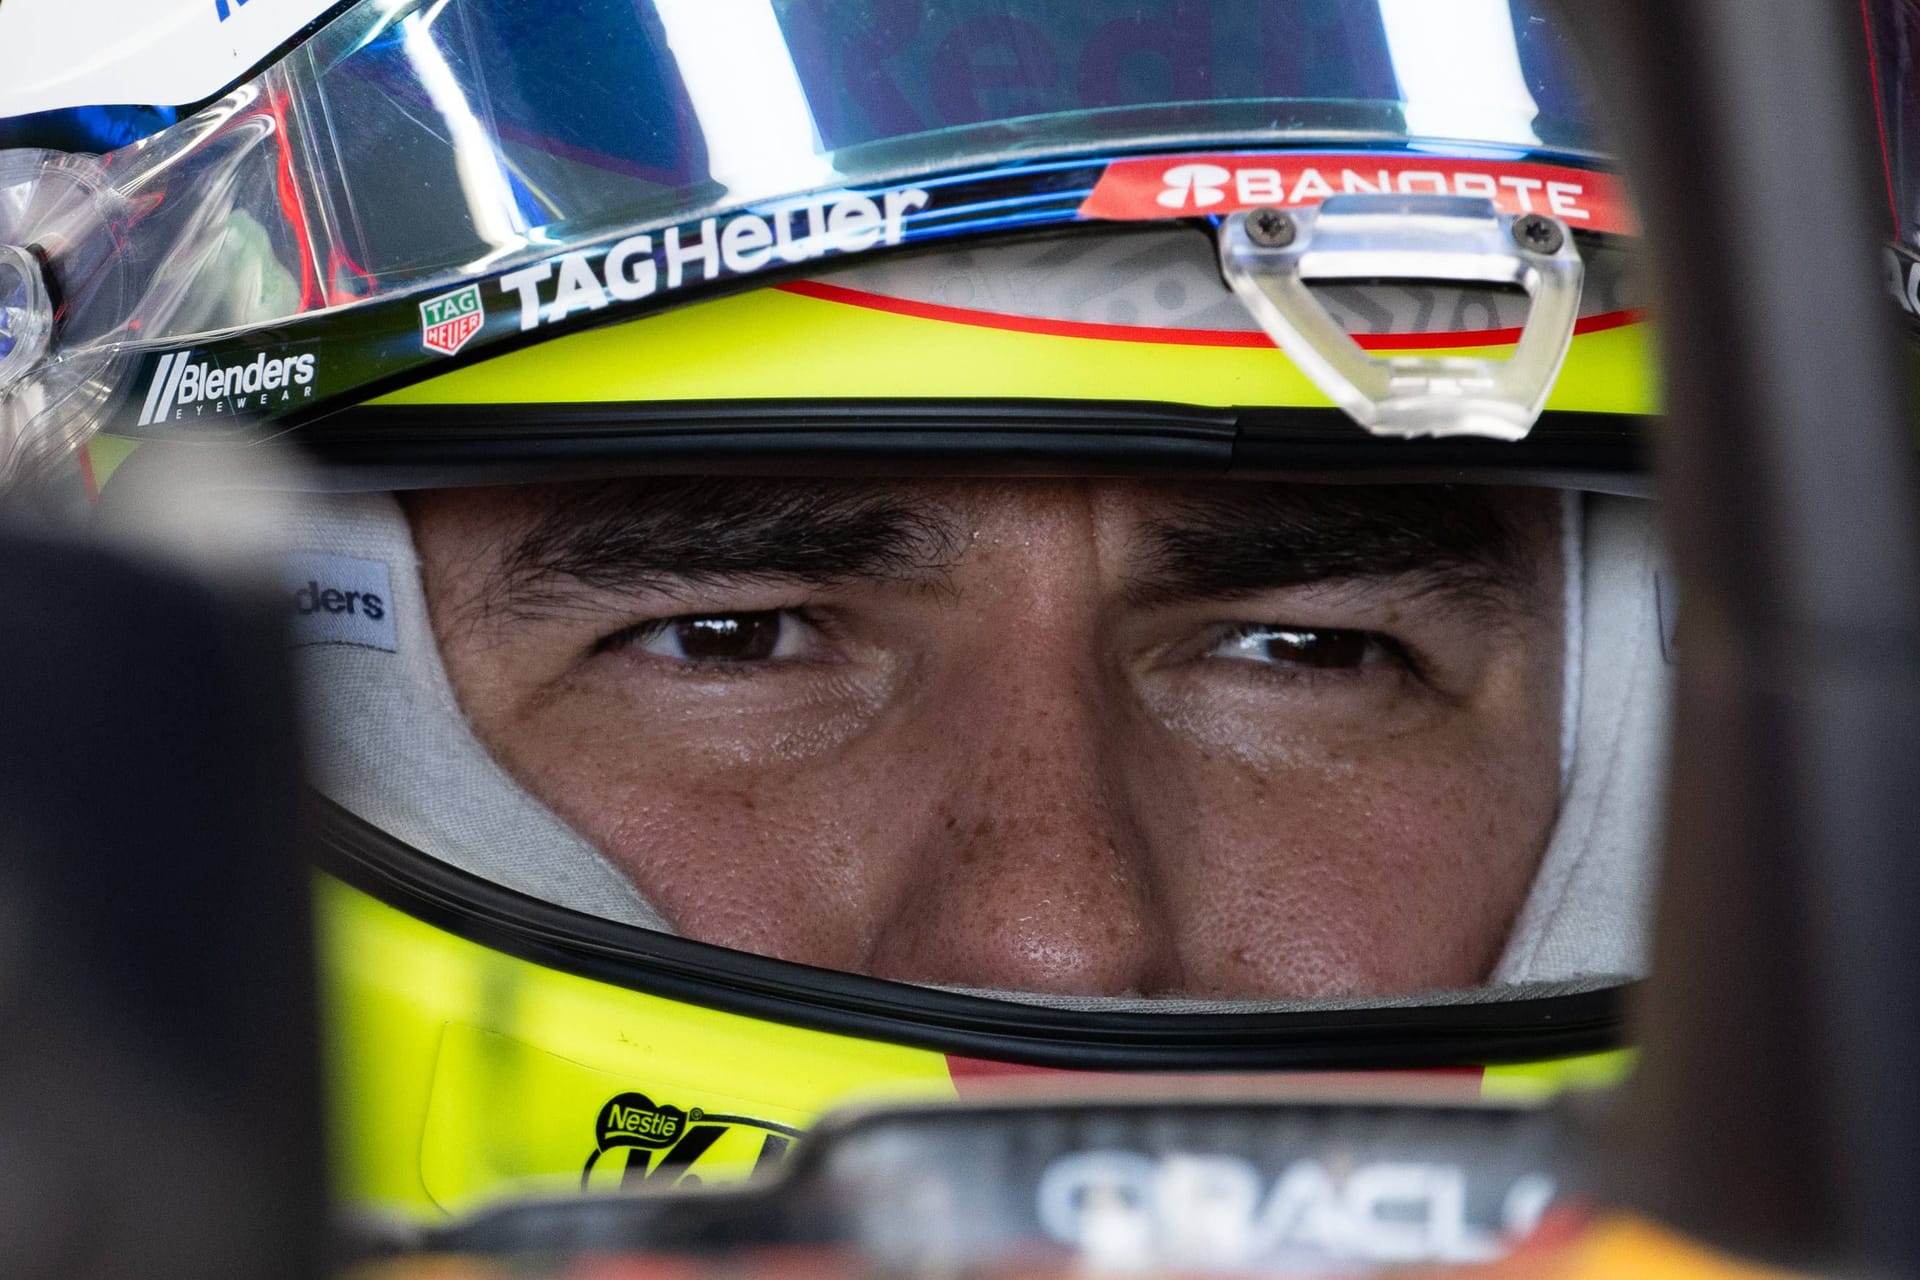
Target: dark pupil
column 1318, row 648
column 733, row 637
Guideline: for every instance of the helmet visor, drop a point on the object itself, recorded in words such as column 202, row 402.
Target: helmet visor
column 408, row 144
column 460, row 131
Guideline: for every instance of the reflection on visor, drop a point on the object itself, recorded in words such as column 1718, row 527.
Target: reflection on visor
column 517, row 124
column 405, row 143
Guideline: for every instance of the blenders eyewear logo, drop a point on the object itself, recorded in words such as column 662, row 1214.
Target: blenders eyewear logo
column 339, row 600
column 448, row 321
column 185, row 387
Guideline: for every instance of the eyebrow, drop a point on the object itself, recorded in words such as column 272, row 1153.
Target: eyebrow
column 1470, row 544
column 669, row 533
column 1237, row 541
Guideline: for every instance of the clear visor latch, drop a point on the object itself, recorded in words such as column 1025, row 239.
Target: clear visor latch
column 1269, row 255
column 26, row 314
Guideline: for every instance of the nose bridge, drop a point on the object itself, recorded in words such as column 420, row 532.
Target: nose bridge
column 1038, row 702
column 1034, row 872
column 1038, row 770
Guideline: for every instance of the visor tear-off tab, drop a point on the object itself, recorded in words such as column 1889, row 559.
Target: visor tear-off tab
column 1269, row 255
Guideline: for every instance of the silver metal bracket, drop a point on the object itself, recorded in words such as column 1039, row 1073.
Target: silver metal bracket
column 1269, row 255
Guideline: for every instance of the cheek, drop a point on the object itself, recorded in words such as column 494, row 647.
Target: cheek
column 784, row 857
column 1394, row 867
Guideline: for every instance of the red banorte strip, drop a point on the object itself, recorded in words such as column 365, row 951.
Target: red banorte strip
column 825, row 292
column 1157, row 187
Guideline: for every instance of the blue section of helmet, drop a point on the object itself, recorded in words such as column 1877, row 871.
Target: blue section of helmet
column 612, row 99
column 886, row 68
column 1550, row 64
column 90, row 129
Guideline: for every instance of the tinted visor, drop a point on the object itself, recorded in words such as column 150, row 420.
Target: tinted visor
column 410, row 144
column 518, row 126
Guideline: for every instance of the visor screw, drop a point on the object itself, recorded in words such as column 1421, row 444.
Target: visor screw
column 1538, row 234
column 1271, row 228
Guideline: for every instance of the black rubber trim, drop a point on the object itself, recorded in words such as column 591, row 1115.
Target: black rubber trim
column 825, row 1000
column 824, row 437
column 1564, row 447
column 428, row 445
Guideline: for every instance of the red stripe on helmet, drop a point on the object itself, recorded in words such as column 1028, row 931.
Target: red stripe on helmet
column 825, row 292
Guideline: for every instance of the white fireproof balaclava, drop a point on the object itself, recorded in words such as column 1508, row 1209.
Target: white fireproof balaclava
column 389, row 741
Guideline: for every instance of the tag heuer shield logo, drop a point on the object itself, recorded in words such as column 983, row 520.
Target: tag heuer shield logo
column 446, row 322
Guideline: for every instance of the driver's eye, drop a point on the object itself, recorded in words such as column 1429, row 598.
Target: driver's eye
column 720, row 637
column 1317, row 648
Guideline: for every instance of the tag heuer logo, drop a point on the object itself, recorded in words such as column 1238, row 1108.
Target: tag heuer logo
column 446, row 322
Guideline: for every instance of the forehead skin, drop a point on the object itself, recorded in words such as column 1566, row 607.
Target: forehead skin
column 1016, row 760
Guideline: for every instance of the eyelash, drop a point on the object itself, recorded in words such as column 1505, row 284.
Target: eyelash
column 640, row 634
column 1375, row 648
column 1388, row 649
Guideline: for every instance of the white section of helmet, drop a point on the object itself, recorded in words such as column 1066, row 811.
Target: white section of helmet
column 162, row 52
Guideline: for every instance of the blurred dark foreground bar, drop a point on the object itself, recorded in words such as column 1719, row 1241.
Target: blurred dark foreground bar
column 158, row 1088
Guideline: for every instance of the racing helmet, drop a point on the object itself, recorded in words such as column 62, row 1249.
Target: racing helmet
column 1366, row 250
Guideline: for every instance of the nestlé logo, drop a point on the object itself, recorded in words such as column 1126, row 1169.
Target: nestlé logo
column 182, row 381
column 632, row 1120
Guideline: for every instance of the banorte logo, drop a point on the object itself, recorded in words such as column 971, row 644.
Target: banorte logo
column 1197, row 186
column 1150, row 187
